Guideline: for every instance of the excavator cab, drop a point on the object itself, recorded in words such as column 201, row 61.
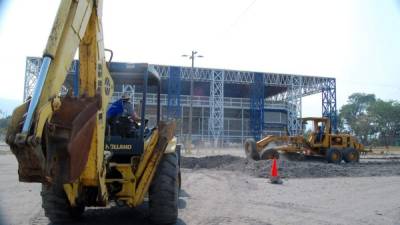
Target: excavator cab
column 126, row 136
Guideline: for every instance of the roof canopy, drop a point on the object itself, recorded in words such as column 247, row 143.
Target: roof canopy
column 134, row 73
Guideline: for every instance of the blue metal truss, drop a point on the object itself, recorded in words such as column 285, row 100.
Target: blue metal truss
column 329, row 103
column 257, row 106
column 309, row 84
column 297, row 86
column 75, row 70
column 174, row 92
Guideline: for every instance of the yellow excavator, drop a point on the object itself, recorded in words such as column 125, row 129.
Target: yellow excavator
column 68, row 144
column 319, row 141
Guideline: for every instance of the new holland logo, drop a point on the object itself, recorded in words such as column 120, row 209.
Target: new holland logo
column 118, row 147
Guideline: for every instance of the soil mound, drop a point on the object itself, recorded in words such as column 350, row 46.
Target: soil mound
column 313, row 168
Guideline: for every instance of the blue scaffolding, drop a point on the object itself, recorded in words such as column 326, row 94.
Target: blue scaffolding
column 174, row 92
column 257, row 106
column 329, row 102
column 75, row 72
column 173, row 77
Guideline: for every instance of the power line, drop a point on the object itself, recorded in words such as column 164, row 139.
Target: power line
column 241, row 15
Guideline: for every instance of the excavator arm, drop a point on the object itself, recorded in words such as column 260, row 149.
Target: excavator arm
column 53, row 136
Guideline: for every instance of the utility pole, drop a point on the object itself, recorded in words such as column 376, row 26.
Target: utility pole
column 191, row 57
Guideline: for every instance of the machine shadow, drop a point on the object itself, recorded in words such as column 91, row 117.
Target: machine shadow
column 115, row 215
column 181, row 200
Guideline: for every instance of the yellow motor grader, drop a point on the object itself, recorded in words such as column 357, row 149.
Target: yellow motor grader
column 318, row 141
column 67, row 143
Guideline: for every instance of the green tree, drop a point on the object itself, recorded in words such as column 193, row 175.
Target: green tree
column 354, row 116
column 386, row 120
column 4, row 121
column 371, row 119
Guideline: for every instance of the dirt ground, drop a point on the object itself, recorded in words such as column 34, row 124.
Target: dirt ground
column 229, row 189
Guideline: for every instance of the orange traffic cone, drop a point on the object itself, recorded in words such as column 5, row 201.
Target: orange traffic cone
column 274, row 178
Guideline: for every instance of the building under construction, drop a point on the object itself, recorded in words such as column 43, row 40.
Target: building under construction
column 228, row 105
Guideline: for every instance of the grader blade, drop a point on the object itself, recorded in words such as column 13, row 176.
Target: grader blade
column 69, row 138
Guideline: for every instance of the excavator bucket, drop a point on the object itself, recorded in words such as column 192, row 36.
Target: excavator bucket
column 31, row 161
column 69, row 138
column 62, row 153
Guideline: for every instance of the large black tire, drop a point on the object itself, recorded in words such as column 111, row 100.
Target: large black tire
column 163, row 192
column 271, row 153
column 351, row 155
column 250, row 149
column 56, row 205
column 333, row 155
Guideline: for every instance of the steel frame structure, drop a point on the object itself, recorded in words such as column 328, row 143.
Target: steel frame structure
column 309, row 84
column 298, row 86
column 294, row 126
column 75, row 71
column 257, row 106
column 295, row 87
column 329, row 103
column 174, row 93
column 31, row 71
column 216, row 121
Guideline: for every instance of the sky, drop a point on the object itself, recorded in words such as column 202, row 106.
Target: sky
column 355, row 41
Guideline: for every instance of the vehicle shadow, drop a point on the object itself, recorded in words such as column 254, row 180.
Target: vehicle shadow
column 115, row 215
column 181, row 201
column 122, row 215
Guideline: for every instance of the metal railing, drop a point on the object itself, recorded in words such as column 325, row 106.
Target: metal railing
column 203, row 101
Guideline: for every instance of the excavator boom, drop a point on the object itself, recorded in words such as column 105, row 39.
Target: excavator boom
column 49, row 131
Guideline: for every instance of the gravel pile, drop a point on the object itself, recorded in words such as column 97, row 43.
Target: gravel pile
column 294, row 169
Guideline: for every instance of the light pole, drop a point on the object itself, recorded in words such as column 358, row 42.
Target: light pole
column 191, row 57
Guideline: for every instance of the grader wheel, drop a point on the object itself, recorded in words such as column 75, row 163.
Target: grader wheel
column 351, row 155
column 250, row 149
column 333, row 155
